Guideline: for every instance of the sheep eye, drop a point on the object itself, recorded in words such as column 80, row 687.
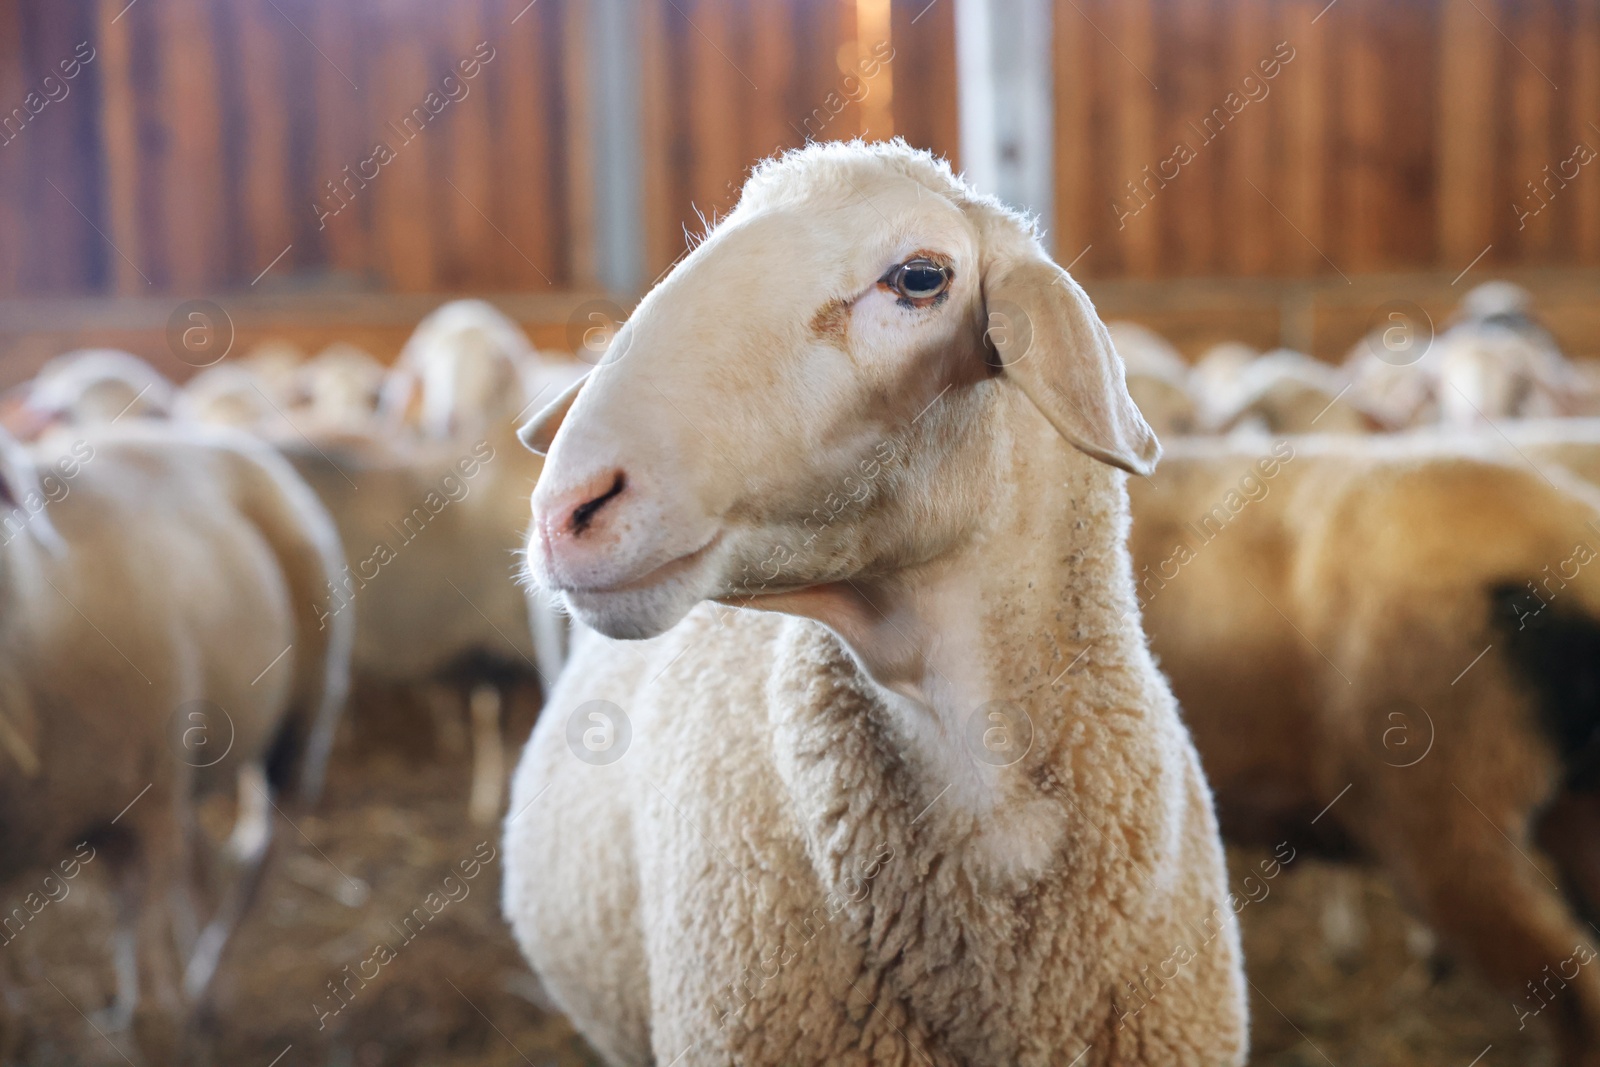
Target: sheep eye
column 919, row 279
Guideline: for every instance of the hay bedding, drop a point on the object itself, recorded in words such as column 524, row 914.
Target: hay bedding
column 456, row 993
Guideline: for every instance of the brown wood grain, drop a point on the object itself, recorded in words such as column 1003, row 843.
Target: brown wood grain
column 195, row 149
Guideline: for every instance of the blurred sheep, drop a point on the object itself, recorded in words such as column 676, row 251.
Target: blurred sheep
column 441, row 607
column 462, row 370
column 1288, row 392
column 1411, row 621
column 232, row 395
column 117, row 653
column 338, row 389
column 1213, row 378
column 1157, row 377
column 1497, row 362
column 91, row 386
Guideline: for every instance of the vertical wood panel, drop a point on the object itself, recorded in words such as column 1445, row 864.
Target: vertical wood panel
column 1583, row 117
column 204, row 132
column 192, row 200
column 122, row 166
column 1076, row 203
column 1533, row 90
column 1464, row 182
column 1132, row 31
column 922, row 35
column 1304, row 104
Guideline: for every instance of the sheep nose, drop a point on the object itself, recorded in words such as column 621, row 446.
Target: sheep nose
column 576, row 512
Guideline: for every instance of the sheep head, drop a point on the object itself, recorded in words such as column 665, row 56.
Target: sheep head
column 817, row 392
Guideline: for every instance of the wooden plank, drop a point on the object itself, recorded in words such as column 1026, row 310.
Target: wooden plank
column 663, row 240
column 16, row 273
column 1304, row 104
column 119, row 136
column 1529, row 55
column 578, row 151
column 526, row 190
column 191, row 202
column 268, row 202
column 1255, row 233
column 1077, row 200
column 1132, row 33
column 922, row 38
column 471, row 245
column 1583, row 127
column 347, row 131
column 716, row 81
column 774, row 118
column 1469, row 68
column 401, row 197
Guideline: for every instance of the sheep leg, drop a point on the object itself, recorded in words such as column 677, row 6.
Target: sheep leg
column 488, row 755
column 143, row 866
column 444, row 705
column 1485, row 898
column 248, row 848
column 1344, row 920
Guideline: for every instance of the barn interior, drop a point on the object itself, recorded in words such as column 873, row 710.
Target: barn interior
column 282, row 216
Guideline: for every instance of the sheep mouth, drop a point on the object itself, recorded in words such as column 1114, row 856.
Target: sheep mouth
column 672, row 569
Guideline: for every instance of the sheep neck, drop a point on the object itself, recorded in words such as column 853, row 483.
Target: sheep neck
column 1031, row 618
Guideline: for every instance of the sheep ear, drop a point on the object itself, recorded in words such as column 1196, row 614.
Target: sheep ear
column 1051, row 343
column 537, row 433
column 400, row 397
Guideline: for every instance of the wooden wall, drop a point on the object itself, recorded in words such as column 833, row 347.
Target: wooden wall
column 206, row 138
column 1398, row 136
column 191, row 152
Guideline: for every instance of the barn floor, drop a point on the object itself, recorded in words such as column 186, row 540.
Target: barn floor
column 458, row 993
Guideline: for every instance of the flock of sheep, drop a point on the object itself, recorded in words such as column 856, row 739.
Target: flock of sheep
column 191, row 575
column 956, row 793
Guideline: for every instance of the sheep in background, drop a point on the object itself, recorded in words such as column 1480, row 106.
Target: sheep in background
column 159, row 638
column 232, row 395
column 1212, row 378
column 828, row 841
column 1158, row 379
column 1496, row 362
column 275, row 365
column 462, row 370
column 1570, row 443
column 338, row 389
column 89, row 386
column 1288, row 392
column 1398, row 395
column 1492, row 362
column 1392, row 645
column 430, row 531
column 442, row 609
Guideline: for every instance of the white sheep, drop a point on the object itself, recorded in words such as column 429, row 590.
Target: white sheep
column 1389, row 646
column 1493, row 361
column 275, row 364
column 89, row 386
column 1497, row 362
column 1213, row 376
column 1158, row 379
column 339, row 389
column 461, row 370
column 1284, row 391
column 947, row 813
column 159, row 600
column 446, row 614
column 1570, row 443
column 233, row 395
